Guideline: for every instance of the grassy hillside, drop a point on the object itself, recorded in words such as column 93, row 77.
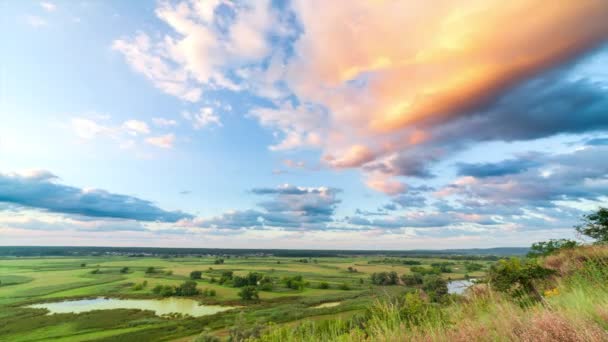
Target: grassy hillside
column 573, row 306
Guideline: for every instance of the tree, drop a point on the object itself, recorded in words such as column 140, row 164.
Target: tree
column 249, row 293
column 595, row 225
column 324, row 285
column 517, row 277
column 436, row 287
column 124, row 270
column 195, row 275
column 150, row 270
column 548, row 247
column 187, row 288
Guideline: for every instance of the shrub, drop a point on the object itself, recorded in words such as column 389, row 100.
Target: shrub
column 187, row 288
column 196, row 275
column 385, row 278
column 124, row 270
column 324, row 285
column 411, row 279
column 435, row 287
column 249, row 293
column 344, row 287
column 150, row 270
column 517, row 277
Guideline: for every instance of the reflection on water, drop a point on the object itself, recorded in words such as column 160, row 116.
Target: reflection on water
column 159, row 306
column 326, row 305
column 459, row 286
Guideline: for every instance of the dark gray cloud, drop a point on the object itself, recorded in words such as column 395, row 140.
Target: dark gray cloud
column 505, row 167
column 574, row 176
column 40, row 190
column 288, row 207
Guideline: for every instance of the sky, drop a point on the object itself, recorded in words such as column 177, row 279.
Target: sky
column 359, row 124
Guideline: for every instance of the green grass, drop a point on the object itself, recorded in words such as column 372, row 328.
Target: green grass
column 30, row 280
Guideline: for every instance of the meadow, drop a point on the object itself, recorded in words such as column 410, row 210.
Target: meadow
column 284, row 292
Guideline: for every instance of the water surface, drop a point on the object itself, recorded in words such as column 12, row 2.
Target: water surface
column 326, row 305
column 459, row 286
column 159, row 306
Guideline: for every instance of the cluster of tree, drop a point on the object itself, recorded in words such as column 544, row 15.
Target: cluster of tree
column 124, row 270
column 385, row 278
column 544, row 248
column 470, row 266
column 218, row 261
column 395, row 261
column 295, row 282
column 140, row 286
column 194, row 275
column 251, row 279
column 352, row 269
column 187, row 288
column 249, row 292
column 427, row 271
column 444, row 267
column 150, row 270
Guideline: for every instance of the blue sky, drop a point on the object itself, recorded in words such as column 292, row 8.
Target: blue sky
column 265, row 124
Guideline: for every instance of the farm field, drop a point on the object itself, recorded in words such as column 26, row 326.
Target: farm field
column 289, row 290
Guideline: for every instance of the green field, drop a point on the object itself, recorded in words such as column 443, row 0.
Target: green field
column 28, row 280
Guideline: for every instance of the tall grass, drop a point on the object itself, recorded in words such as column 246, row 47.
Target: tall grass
column 577, row 310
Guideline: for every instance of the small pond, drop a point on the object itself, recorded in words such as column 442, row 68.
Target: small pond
column 459, row 286
column 326, row 305
column 159, row 306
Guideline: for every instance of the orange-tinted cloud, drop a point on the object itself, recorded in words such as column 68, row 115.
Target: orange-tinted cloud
column 431, row 60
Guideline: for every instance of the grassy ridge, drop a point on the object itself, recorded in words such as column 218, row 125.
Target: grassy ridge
column 575, row 309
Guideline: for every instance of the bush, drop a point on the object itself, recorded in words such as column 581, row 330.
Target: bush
column 187, row 288
column 150, row 270
column 344, row 287
column 324, row 285
column 208, row 293
column 206, row 337
column 411, row 279
column 124, row 270
column 295, row 282
column 385, row 278
column 472, row 266
column 95, row 271
column 249, row 293
column 196, row 275
column 435, row 287
column 517, row 277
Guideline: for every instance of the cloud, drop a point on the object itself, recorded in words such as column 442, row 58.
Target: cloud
column 135, row 127
column 162, row 122
column 563, row 177
column 205, row 117
column 505, row 167
column 48, row 6
column 370, row 99
column 88, row 129
column 289, row 207
column 208, row 37
column 163, row 141
column 39, row 190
